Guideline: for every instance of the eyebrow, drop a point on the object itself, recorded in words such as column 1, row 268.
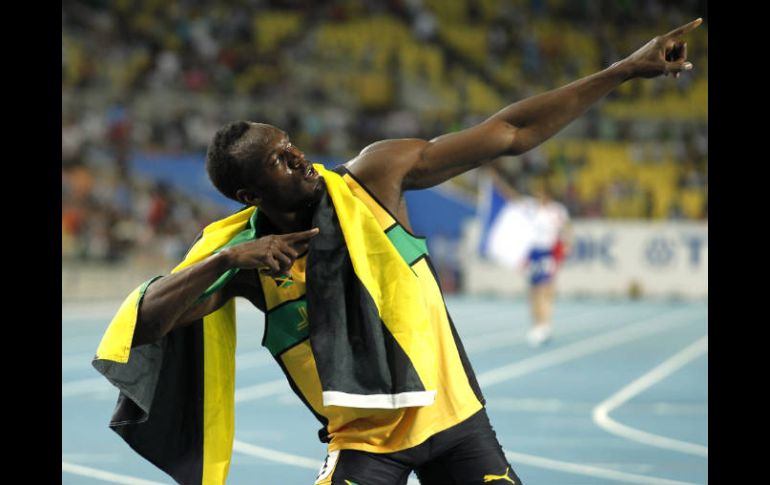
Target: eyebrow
column 280, row 147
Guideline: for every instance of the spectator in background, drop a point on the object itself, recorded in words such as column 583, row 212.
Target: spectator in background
column 675, row 211
column 209, row 49
column 649, row 203
column 160, row 208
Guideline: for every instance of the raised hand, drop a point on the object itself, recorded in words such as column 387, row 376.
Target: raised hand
column 665, row 54
column 274, row 254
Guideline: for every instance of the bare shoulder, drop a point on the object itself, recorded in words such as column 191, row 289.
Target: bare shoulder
column 395, row 144
column 387, row 155
column 383, row 165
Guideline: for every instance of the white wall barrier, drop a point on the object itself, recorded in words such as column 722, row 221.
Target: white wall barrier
column 608, row 258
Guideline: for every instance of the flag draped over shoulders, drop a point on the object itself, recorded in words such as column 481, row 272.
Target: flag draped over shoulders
column 176, row 400
column 369, row 330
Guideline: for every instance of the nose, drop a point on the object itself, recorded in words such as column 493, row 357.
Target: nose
column 297, row 159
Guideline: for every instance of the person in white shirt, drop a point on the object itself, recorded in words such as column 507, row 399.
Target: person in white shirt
column 550, row 245
column 528, row 233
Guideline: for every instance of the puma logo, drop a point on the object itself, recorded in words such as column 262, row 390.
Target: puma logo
column 492, row 478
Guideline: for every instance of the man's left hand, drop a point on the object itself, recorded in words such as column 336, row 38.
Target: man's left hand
column 665, row 54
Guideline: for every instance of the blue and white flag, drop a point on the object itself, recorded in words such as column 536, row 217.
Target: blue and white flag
column 507, row 232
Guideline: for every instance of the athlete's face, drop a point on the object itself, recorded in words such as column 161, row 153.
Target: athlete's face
column 278, row 172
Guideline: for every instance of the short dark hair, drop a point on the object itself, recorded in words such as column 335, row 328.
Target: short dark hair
column 225, row 169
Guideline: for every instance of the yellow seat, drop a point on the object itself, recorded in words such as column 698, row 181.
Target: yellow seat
column 693, row 201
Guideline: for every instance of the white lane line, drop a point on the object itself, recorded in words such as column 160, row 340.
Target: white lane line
column 258, row 391
column 91, row 457
column 589, row 320
column 581, row 348
column 84, row 386
column 103, row 475
column 601, row 412
column 591, row 471
column 277, row 456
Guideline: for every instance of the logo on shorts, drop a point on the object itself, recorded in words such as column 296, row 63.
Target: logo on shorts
column 492, row 478
column 328, row 466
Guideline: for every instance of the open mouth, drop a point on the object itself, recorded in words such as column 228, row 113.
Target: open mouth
column 310, row 171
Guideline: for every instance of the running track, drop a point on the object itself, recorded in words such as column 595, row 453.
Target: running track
column 620, row 396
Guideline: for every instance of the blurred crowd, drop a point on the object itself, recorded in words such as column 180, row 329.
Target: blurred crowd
column 147, row 76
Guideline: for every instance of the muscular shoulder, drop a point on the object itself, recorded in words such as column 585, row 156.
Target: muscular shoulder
column 383, row 165
column 399, row 145
column 386, row 159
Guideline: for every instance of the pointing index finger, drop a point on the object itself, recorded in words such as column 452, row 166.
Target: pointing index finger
column 301, row 236
column 680, row 31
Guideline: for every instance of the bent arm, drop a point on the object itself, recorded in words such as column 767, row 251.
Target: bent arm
column 170, row 301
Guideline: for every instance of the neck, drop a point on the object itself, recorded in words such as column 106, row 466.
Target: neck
column 283, row 222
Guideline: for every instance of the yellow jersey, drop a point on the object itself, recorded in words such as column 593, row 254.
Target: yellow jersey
column 287, row 333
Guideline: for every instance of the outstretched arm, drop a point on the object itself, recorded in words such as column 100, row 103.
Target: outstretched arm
column 520, row 126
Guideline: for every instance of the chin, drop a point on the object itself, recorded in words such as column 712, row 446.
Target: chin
column 316, row 197
column 310, row 197
column 318, row 189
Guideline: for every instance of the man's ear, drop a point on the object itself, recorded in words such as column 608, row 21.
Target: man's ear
column 248, row 197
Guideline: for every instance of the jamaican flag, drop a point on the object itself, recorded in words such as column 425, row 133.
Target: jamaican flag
column 176, row 401
column 369, row 331
column 371, row 334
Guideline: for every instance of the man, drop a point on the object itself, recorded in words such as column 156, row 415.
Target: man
column 531, row 232
column 551, row 244
column 354, row 315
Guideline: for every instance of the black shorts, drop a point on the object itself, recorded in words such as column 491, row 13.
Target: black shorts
column 465, row 454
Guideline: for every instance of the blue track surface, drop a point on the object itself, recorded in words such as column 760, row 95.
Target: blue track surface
column 541, row 402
